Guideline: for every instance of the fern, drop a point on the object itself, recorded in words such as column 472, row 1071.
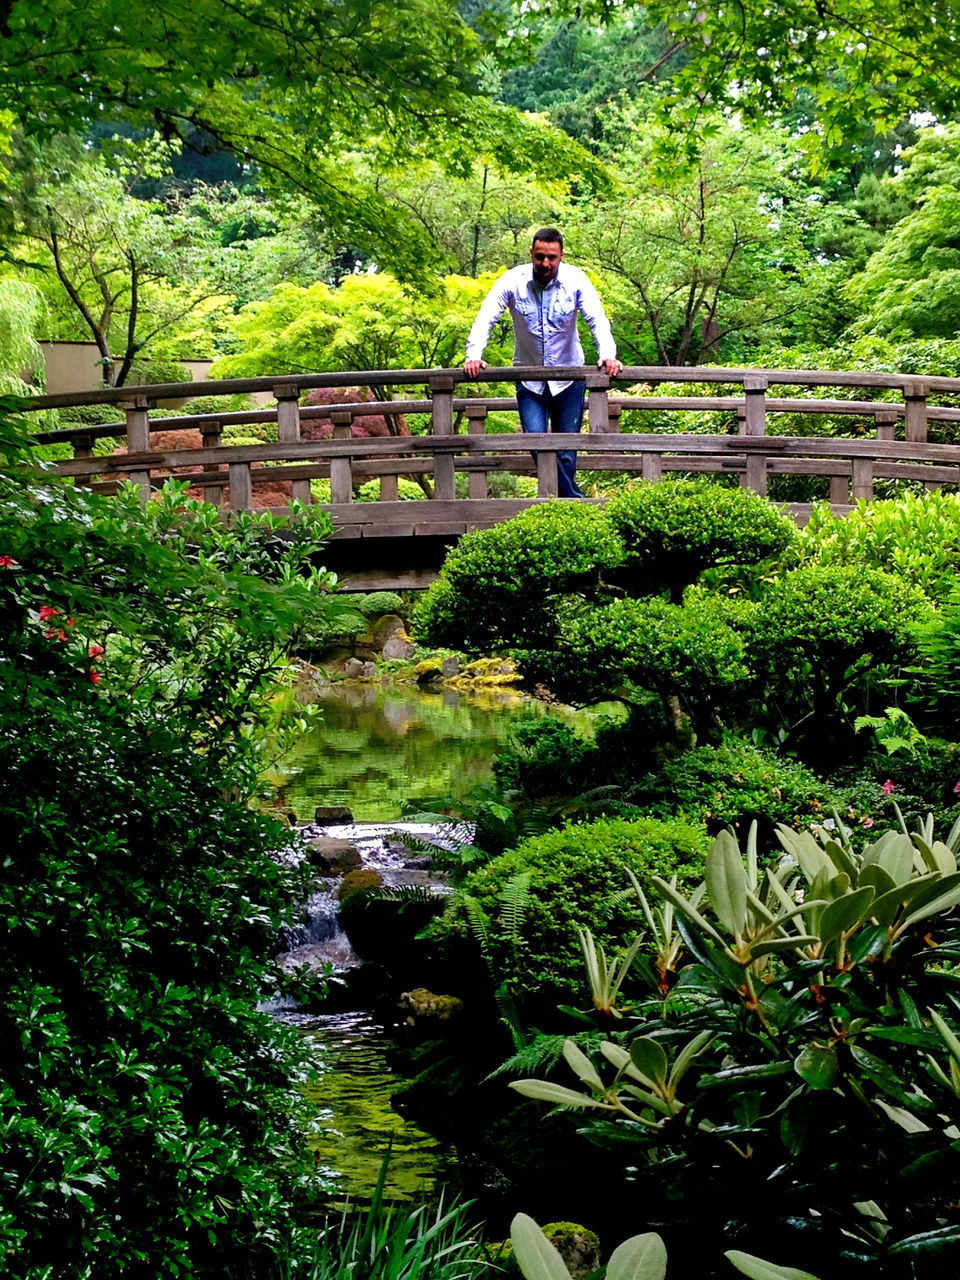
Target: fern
column 513, row 906
column 403, row 893
column 479, row 925
column 537, row 1055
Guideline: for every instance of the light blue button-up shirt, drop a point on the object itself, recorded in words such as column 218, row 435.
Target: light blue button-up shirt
column 544, row 320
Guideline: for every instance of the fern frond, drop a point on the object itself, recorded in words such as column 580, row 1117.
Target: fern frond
column 513, row 905
column 538, row 1055
column 479, row 924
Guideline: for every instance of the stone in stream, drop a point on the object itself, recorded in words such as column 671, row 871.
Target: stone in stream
column 332, row 856
column 353, row 668
column 420, row 1004
column 332, row 815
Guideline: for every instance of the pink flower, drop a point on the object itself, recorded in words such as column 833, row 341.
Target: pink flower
column 96, row 650
column 46, row 613
column 94, row 676
column 8, row 562
column 888, row 788
column 956, row 788
column 866, row 822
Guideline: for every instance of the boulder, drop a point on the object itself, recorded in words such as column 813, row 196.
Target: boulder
column 332, row 815
column 420, row 1004
column 386, row 628
column 356, row 880
column 333, row 857
column 449, row 667
column 353, row 668
column 369, row 670
column 397, row 647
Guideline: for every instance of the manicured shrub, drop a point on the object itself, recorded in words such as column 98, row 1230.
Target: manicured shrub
column 685, row 652
column 500, row 587
column 675, row 529
column 734, row 784
column 916, row 538
column 577, row 878
column 374, row 604
column 545, row 757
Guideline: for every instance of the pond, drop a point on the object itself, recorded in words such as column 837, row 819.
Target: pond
column 378, row 749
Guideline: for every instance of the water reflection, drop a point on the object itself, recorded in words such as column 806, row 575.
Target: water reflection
column 377, row 747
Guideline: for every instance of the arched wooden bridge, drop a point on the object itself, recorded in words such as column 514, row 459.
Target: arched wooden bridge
column 389, row 540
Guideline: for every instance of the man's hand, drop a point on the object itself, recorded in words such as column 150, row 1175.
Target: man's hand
column 472, row 367
column 610, row 367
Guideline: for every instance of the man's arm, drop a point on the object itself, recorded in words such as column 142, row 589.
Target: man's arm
column 491, row 309
column 596, row 318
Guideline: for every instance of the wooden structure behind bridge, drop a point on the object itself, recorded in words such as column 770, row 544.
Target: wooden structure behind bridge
column 401, row 543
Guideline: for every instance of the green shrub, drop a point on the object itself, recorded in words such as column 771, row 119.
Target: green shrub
column 734, row 784
column 545, row 757
column 374, row 604
column 823, row 639
column 675, row 529
column 407, row 491
column 151, row 371
column 249, row 432
column 916, row 538
column 687, row 652
column 938, row 684
column 146, row 1104
column 215, row 405
column 90, row 415
column 500, row 587
column 576, row 879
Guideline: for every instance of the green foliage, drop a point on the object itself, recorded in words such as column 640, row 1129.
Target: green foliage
column 147, row 1105
column 21, row 309
column 215, row 405
column 545, row 757
column 797, row 1060
column 733, row 785
column 916, row 537
column 822, row 638
column 938, row 687
column 675, row 529
column 573, row 884
column 374, row 604
column 501, row 587
column 687, row 652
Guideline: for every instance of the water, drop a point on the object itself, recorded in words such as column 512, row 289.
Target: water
column 378, row 749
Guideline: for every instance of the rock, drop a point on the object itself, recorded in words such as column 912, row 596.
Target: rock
column 331, row 815
column 427, row 670
column 449, row 667
column 369, row 670
column 331, row 856
column 421, row 1003
column 397, row 647
column 385, row 628
column 353, row 668
column 577, row 1246
column 357, row 880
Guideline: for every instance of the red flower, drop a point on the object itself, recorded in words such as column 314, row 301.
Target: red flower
column 888, row 788
column 957, row 788
column 46, row 613
column 94, row 676
column 96, row 650
column 7, row 562
column 71, row 622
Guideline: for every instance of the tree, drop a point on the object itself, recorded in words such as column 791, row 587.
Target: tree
column 292, row 87
column 698, row 255
column 20, row 309
column 368, row 322
column 910, row 287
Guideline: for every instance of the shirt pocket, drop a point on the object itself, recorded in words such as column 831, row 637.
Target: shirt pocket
column 562, row 312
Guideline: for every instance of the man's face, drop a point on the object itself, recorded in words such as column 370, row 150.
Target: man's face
column 546, row 256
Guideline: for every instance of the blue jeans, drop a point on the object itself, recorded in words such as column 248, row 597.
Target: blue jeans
column 564, row 412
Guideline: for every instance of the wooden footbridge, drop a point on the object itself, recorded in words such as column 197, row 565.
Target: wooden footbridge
column 901, row 427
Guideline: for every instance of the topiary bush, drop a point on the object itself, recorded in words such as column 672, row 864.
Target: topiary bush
column 576, row 880
column 676, row 528
column 500, row 588
column 374, row 604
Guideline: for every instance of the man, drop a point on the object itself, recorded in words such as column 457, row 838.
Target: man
column 544, row 300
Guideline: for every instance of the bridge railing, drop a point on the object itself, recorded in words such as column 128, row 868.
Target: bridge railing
column 459, row 442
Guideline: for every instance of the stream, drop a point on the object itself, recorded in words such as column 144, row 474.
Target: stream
column 378, row 751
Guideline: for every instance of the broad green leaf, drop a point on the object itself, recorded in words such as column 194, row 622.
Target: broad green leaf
column 817, row 1065
column 581, row 1066
column 926, row 905
column 842, row 915
column 639, row 1258
column 897, row 859
column 650, row 1060
column 944, row 857
column 877, row 877
column 841, row 859
column 928, row 1241
column 683, row 904
column 886, row 906
column 692, row 1049
column 545, row 1091
column 727, row 883
column 757, row 1269
column 536, row 1257
column 905, row 1119
column 947, row 1034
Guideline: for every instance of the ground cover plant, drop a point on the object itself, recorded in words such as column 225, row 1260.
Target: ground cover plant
column 148, row 1110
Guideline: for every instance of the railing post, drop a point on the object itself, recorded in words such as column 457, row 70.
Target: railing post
column 839, row 491
column 138, row 440
column 287, row 395
column 614, row 411
column 83, row 448
column 444, row 470
column 861, row 479
column 241, row 486
column 211, row 436
column 885, row 421
column 341, row 469
column 754, row 423
column 477, row 426
column 915, row 417
column 598, row 408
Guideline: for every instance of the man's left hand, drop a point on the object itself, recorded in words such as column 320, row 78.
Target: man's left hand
column 610, row 367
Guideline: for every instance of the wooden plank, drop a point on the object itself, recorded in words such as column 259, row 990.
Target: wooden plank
column 138, row 442
column 341, row 468
column 839, row 490
column 441, row 397
column 241, row 490
column 598, row 417
column 477, row 486
column 915, row 418
column 861, row 486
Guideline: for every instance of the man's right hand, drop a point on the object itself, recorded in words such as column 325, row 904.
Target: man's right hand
column 472, row 367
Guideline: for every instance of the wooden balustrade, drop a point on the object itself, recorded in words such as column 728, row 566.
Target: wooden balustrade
column 459, row 442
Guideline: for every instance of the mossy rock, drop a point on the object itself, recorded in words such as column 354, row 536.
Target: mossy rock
column 357, row 881
column 578, row 1246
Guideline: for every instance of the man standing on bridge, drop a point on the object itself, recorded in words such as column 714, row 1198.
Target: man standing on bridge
column 544, row 299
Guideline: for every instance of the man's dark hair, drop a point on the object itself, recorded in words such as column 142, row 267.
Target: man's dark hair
column 549, row 235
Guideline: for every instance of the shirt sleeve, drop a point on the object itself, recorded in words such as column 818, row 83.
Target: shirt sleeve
column 491, row 309
column 596, row 318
